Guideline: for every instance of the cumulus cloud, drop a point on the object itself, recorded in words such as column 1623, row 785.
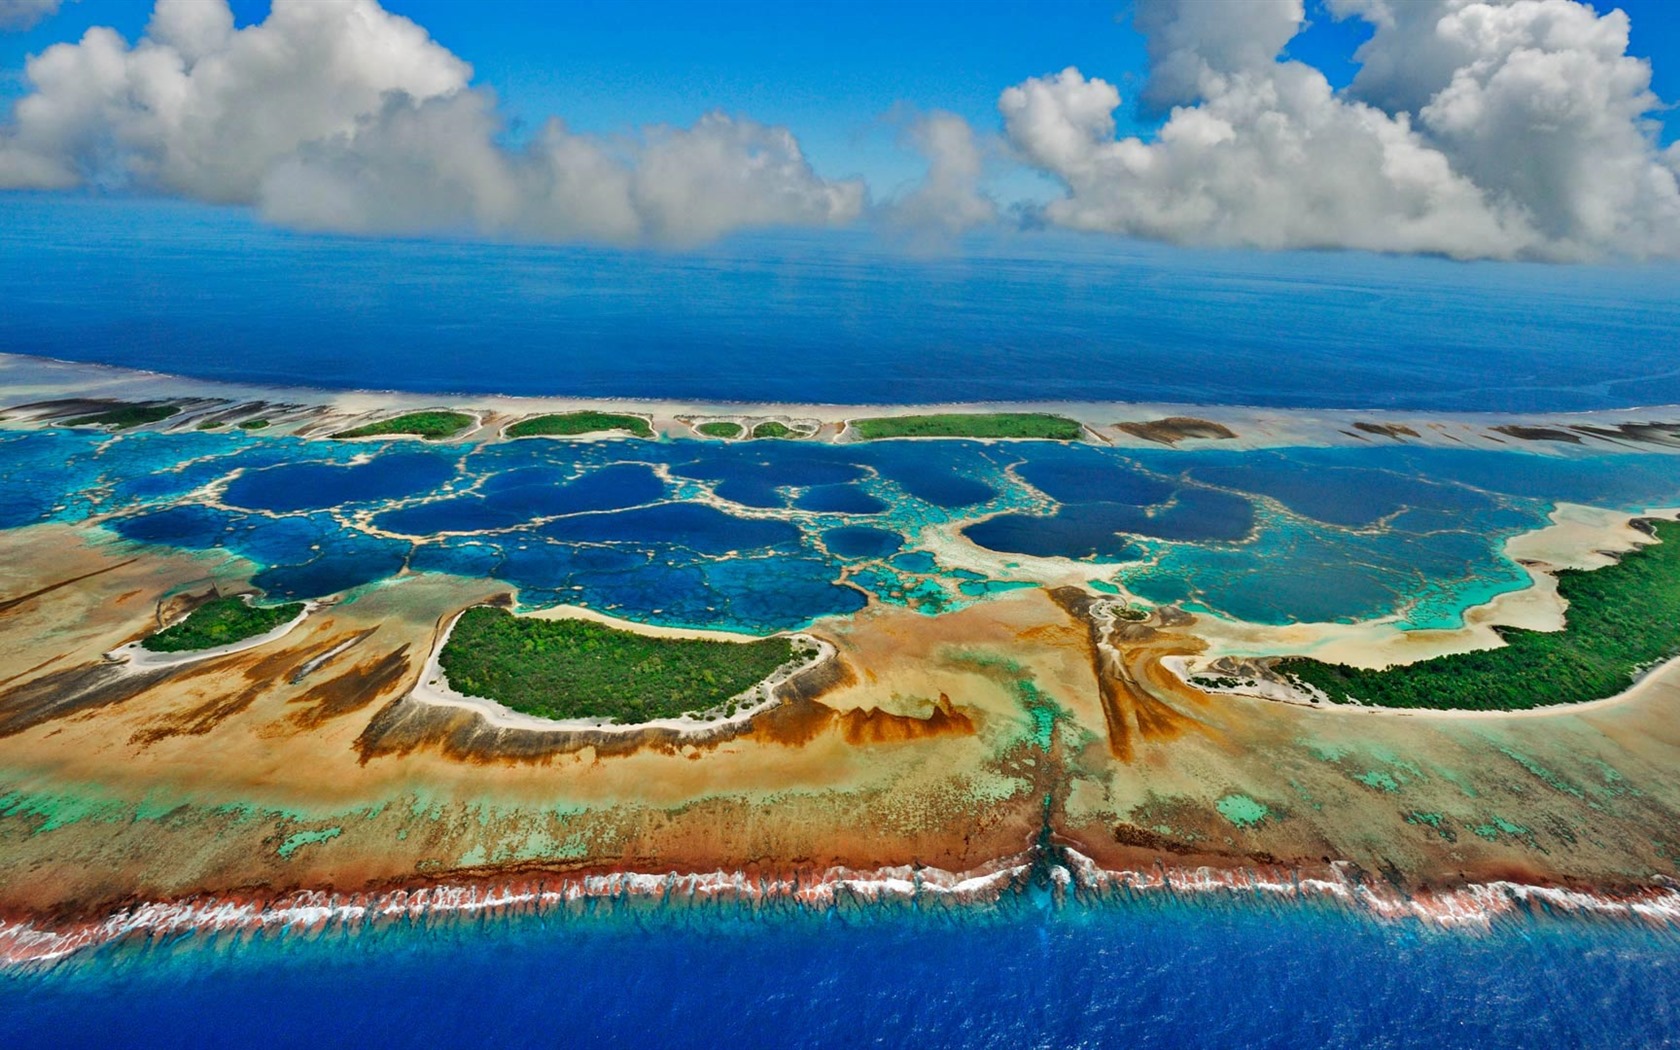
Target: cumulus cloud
column 343, row 116
column 949, row 199
column 18, row 15
column 1474, row 129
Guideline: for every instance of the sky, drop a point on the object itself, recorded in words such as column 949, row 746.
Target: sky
column 1524, row 129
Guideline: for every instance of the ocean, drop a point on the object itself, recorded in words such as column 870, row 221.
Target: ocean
column 837, row 318
column 1170, row 974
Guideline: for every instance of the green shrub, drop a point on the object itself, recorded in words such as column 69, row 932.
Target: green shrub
column 433, row 426
column 583, row 669
column 1040, row 425
column 569, row 424
column 221, row 621
column 124, row 416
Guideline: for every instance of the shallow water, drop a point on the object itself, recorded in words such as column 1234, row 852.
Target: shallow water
column 764, row 536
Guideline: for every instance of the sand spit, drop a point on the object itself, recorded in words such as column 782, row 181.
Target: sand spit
column 1071, row 877
column 40, row 391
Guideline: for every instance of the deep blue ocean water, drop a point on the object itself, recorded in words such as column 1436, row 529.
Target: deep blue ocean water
column 1144, row 975
column 836, row 318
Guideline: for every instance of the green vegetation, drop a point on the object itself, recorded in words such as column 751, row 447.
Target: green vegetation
column 124, row 416
column 260, row 424
column 211, row 424
column 1621, row 619
column 222, row 621
column 970, row 425
column 433, row 426
column 772, row 429
column 583, row 669
column 569, row 424
column 720, row 429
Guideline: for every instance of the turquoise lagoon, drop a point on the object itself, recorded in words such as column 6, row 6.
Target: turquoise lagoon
column 771, row 535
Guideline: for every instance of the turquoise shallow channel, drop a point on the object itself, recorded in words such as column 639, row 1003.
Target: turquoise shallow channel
column 771, row 535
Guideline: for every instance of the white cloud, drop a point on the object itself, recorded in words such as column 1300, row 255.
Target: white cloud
column 19, row 15
column 949, row 199
column 434, row 165
column 1512, row 129
column 343, row 116
column 1188, row 41
column 199, row 108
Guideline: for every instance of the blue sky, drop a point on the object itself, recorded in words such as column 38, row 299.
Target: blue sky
column 831, row 72
column 1480, row 130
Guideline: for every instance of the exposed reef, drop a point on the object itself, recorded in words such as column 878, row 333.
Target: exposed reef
column 1173, row 429
column 986, row 722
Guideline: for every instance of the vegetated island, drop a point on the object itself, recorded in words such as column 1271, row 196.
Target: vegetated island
column 1042, row 425
column 570, row 424
column 582, row 669
column 123, row 417
column 221, row 621
column 772, row 429
column 433, row 426
column 719, row 428
column 1622, row 619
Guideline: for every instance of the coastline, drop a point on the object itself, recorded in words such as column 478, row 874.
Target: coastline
column 1473, row 908
column 315, row 412
column 1576, row 538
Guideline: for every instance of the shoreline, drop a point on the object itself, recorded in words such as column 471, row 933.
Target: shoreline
column 319, row 412
column 1576, row 538
column 1473, row 908
column 135, row 657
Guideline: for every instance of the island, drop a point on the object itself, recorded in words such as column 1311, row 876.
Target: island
column 1021, row 425
column 574, row 668
column 220, row 621
column 572, row 424
column 433, row 426
column 123, row 417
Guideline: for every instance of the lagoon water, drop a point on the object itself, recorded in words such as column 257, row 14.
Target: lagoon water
column 1337, row 534
column 770, row 535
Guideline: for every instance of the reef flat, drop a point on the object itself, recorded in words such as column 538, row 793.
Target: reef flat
column 994, row 663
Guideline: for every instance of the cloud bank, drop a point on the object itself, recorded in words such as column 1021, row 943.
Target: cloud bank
column 1473, row 128
column 1513, row 129
column 343, row 116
